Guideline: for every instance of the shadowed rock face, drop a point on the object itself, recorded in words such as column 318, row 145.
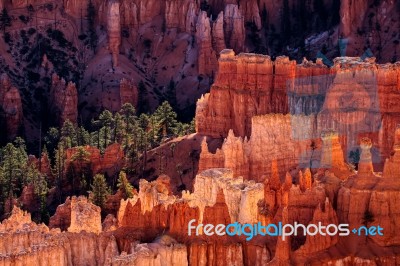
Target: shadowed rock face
column 11, row 105
column 64, row 100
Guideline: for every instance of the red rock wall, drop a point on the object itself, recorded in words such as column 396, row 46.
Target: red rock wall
column 11, row 104
column 64, row 100
column 248, row 85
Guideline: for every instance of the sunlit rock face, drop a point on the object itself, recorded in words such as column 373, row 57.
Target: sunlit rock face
column 218, row 196
column 114, row 30
column 84, row 216
column 249, row 85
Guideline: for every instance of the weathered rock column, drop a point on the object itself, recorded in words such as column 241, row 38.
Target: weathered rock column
column 365, row 166
column 114, row 29
column 332, row 153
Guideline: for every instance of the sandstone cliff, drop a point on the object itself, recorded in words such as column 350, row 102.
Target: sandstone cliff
column 110, row 162
column 64, row 100
column 128, row 93
column 114, row 30
column 11, row 107
column 248, row 85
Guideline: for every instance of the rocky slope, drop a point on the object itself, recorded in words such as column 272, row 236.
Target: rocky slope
column 218, row 197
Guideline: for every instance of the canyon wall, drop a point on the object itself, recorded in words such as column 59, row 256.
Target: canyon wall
column 286, row 140
column 63, row 100
column 11, row 108
column 249, row 85
column 109, row 162
column 128, row 93
column 114, row 30
column 152, row 226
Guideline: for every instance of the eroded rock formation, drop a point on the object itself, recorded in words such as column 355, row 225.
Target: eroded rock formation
column 114, row 30
column 64, row 100
column 128, row 93
column 84, row 216
column 109, row 162
column 11, row 107
column 248, row 85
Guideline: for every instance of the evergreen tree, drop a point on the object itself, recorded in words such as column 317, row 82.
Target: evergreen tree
column 83, row 136
column 130, row 124
column 118, row 128
column 153, row 131
column 12, row 168
column 99, row 191
column 51, row 140
column 58, row 170
column 68, row 135
column 124, row 185
column 40, row 188
column 106, row 122
column 166, row 118
column 81, row 157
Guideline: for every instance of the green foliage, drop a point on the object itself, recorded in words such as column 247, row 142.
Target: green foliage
column 166, row 118
column 99, row 191
column 58, row 170
column 82, row 158
column 124, row 185
column 13, row 169
column 136, row 134
column 68, row 135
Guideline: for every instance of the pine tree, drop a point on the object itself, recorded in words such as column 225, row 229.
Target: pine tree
column 68, row 135
column 106, row 121
column 100, row 190
column 124, row 185
column 118, row 128
column 166, row 118
column 83, row 136
column 58, row 170
column 51, row 140
column 130, row 123
column 81, row 157
column 40, row 188
column 12, row 170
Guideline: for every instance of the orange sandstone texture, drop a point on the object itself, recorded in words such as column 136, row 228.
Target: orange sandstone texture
column 249, row 85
